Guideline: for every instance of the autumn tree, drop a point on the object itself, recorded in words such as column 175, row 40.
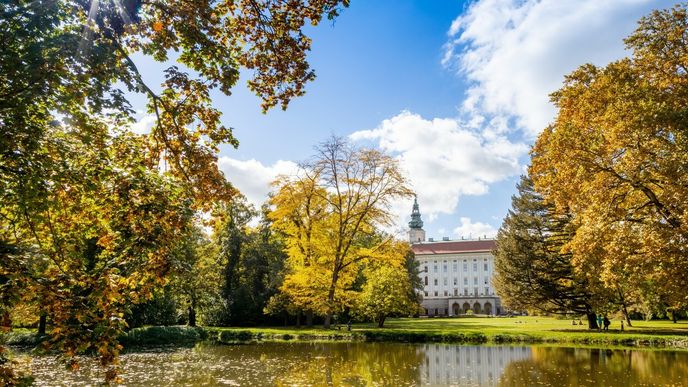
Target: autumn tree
column 616, row 157
column 389, row 287
column 91, row 212
column 330, row 212
column 532, row 269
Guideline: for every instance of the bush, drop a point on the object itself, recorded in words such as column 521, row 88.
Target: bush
column 230, row 336
column 157, row 335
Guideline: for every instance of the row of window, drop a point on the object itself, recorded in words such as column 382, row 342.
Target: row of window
column 456, row 281
column 465, row 292
column 455, row 266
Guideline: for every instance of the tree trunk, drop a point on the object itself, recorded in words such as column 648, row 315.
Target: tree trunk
column 309, row 318
column 42, row 320
column 627, row 317
column 592, row 321
column 192, row 316
column 330, row 300
column 624, row 310
column 6, row 320
column 381, row 321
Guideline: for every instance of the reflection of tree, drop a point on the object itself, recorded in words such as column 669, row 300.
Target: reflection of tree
column 353, row 364
column 584, row 366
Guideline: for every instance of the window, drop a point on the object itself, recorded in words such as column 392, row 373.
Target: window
column 456, row 291
column 465, row 291
column 426, row 268
column 444, row 268
column 435, row 295
column 426, row 281
column 445, row 281
column 465, row 265
column 485, row 266
column 487, row 290
column 475, row 266
column 465, row 280
column 485, row 281
column 446, row 311
column 475, row 291
column 426, row 293
column 435, row 281
column 445, row 293
column 435, row 268
column 475, row 280
column 456, row 281
column 455, row 267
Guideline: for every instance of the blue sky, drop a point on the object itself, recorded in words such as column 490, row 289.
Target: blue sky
column 456, row 90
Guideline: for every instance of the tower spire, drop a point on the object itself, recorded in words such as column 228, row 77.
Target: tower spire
column 416, row 232
column 416, row 221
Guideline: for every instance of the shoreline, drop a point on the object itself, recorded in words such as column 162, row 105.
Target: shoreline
column 184, row 335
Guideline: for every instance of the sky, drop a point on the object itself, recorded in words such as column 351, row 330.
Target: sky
column 457, row 91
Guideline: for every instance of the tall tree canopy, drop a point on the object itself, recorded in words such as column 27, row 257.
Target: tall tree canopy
column 331, row 212
column 91, row 212
column 616, row 157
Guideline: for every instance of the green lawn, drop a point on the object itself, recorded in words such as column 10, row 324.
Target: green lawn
column 496, row 329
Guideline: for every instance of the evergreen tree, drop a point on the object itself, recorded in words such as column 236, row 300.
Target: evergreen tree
column 532, row 270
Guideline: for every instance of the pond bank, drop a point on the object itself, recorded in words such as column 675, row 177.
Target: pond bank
column 454, row 331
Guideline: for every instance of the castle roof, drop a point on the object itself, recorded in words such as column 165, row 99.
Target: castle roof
column 449, row 247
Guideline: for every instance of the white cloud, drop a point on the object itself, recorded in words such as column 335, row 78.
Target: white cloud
column 469, row 229
column 253, row 178
column 514, row 53
column 444, row 159
column 144, row 125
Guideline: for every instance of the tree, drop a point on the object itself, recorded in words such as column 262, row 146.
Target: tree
column 388, row 289
column 92, row 211
column 231, row 236
column 616, row 157
column 196, row 275
column 532, row 270
column 253, row 260
column 330, row 212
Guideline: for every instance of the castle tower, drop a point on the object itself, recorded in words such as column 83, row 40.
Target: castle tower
column 416, row 232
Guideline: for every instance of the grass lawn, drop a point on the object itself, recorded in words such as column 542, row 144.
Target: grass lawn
column 495, row 330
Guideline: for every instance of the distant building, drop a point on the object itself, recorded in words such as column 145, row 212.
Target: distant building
column 457, row 275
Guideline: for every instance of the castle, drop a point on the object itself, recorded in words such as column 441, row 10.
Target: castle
column 456, row 274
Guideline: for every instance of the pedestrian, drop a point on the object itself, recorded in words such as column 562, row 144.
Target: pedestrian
column 599, row 322
column 606, row 323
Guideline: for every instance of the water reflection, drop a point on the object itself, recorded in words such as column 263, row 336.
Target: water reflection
column 468, row 365
column 598, row 367
column 373, row 364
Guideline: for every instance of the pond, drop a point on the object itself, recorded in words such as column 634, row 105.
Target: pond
column 389, row 364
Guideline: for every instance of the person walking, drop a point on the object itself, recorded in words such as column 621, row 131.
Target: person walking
column 599, row 322
column 606, row 323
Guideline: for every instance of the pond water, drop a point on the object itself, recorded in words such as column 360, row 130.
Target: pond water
column 388, row 364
